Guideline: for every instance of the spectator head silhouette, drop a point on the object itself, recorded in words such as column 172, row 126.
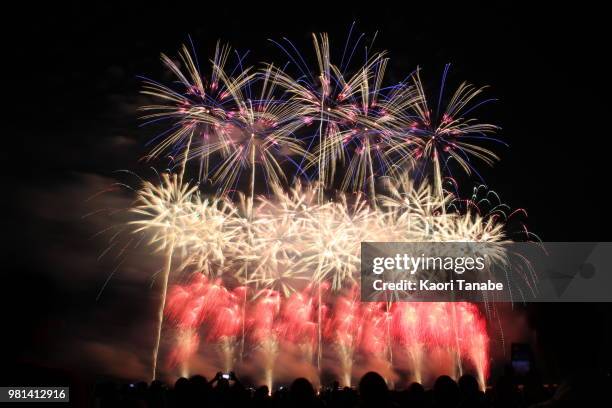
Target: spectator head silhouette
column 182, row 392
column 156, row 385
column 302, row 393
column 262, row 392
column 416, row 388
column 446, row 392
column 199, row 380
column 416, row 395
column 468, row 385
column 373, row 390
column 201, row 388
column 181, row 385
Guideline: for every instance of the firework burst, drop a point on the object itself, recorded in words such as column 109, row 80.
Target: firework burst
column 369, row 128
column 194, row 105
column 277, row 244
column 324, row 98
column 256, row 134
column 448, row 133
column 280, row 268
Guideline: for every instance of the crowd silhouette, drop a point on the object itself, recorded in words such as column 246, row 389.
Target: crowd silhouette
column 371, row 392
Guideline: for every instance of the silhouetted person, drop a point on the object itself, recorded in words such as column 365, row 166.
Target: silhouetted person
column 280, row 398
column 261, row 397
column 373, row 391
column 182, row 393
column 201, row 391
column 221, row 397
column 239, row 395
column 415, row 397
column 445, row 392
column 469, row 391
column 302, row 394
column 338, row 397
column 157, row 396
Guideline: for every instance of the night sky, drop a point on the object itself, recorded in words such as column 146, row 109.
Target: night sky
column 72, row 95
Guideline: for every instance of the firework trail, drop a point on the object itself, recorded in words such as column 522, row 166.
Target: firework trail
column 226, row 327
column 197, row 303
column 204, row 302
column 298, row 322
column 187, row 343
column 474, row 341
column 265, row 331
column 331, row 253
column 276, row 324
column 179, row 308
column 343, row 331
column 438, row 334
column 375, row 331
column 407, row 332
